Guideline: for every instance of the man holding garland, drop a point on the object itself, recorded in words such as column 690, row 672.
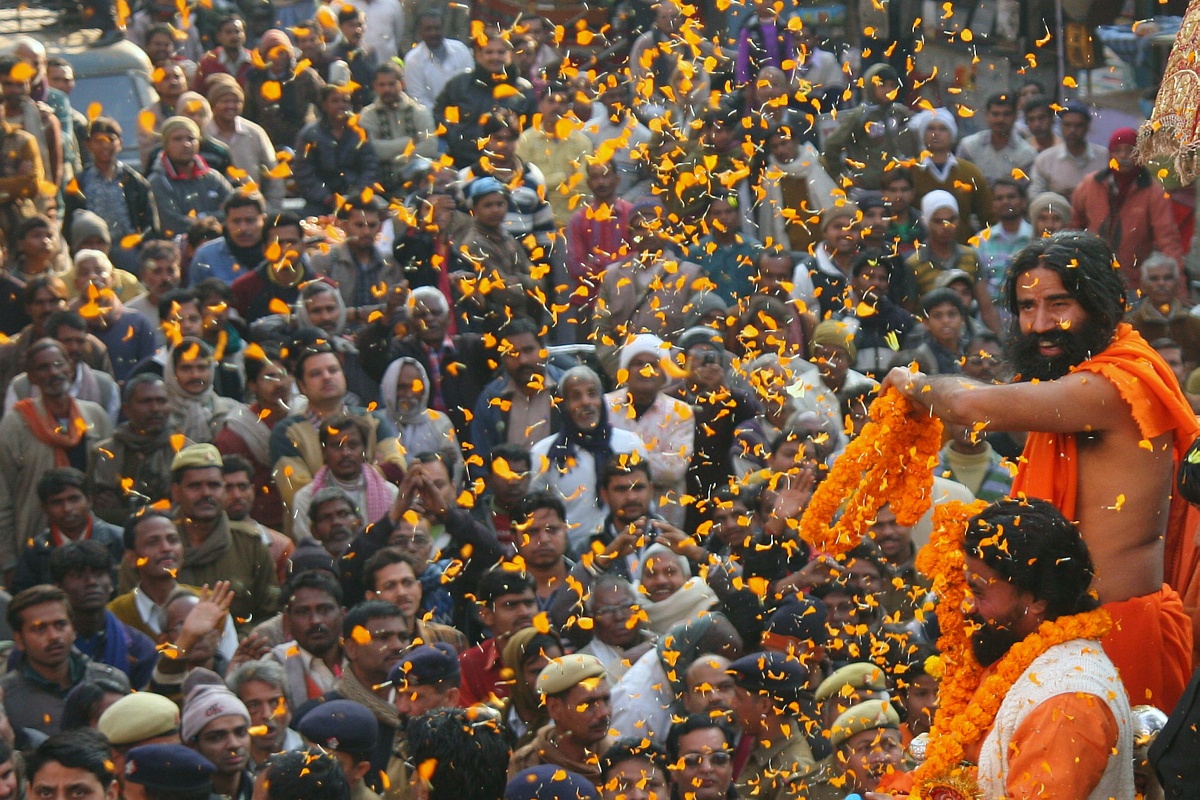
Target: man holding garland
column 1095, row 395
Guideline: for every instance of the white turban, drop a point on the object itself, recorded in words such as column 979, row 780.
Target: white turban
column 920, row 121
column 938, row 198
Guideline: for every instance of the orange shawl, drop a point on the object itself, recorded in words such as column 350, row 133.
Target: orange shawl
column 1048, row 467
column 47, row 430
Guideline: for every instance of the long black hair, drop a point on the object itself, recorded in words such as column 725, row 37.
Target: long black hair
column 1087, row 267
column 1038, row 550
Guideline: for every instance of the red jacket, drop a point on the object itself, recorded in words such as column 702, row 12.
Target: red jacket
column 1143, row 224
column 211, row 63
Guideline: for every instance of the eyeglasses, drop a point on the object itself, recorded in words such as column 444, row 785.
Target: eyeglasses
column 619, row 609
column 720, row 758
column 411, row 541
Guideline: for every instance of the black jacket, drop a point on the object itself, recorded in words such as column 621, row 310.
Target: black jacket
column 474, row 94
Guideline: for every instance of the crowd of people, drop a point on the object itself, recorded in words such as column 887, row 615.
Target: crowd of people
column 427, row 410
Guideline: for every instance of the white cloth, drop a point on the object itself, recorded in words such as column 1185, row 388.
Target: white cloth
column 1016, row 155
column 383, row 30
column 103, row 392
column 426, row 73
column 1077, row 666
column 613, row 658
column 668, row 431
column 642, row 701
column 576, row 485
column 821, row 189
column 154, row 617
column 251, row 151
column 811, row 394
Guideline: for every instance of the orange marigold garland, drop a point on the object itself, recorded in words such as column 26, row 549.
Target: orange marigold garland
column 891, row 461
column 967, row 702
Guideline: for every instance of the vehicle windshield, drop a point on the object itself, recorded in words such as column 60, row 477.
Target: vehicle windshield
column 119, row 98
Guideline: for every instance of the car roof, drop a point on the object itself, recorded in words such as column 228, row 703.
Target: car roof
column 70, row 43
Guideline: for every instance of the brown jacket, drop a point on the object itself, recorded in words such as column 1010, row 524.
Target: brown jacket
column 544, row 750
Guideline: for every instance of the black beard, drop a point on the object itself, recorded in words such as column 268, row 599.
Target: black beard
column 989, row 643
column 1076, row 347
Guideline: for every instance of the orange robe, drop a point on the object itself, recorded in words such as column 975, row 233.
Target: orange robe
column 1060, row 749
column 1154, row 624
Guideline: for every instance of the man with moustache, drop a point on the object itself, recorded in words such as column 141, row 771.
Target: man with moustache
column 46, row 666
column 66, row 500
column 375, row 635
column 334, row 520
column 344, row 450
column 518, row 406
column 312, row 609
column 1094, row 395
column 213, row 551
column 1064, row 729
column 140, row 451
column 240, row 492
column 50, row 430
column 577, row 695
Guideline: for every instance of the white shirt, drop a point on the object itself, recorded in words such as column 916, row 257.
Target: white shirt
column 154, row 617
column 383, row 29
column 628, row 136
column 576, row 484
column 426, row 73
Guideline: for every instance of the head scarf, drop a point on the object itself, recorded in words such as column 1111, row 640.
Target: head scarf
column 525, row 699
column 597, row 441
column 416, row 429
column 190, row 414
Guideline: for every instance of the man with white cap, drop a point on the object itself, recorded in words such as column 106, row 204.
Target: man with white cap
column 937, row 130
column 216, row 725
column 663, row 423
column 571, row 462
column 940, row 213
column 577, row 694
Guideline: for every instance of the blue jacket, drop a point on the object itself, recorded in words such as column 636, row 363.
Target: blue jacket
column 215, row 259
column 490, row 421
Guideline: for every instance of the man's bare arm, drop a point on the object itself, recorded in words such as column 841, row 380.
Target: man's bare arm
column 1081, row 401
